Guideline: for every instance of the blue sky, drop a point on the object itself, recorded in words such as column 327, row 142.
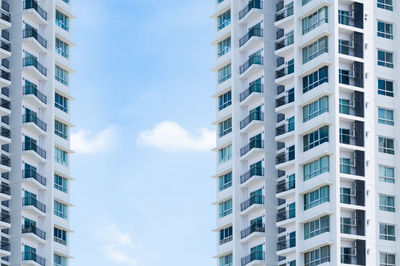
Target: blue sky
column 143, row 190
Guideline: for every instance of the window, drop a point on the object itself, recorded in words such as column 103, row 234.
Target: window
column 225, row 208
column 60, row 129
column 387, row 259
column 224, row 20
column 226, row 260
column 225, row 181
column 316, row 227
column 61, row 75
column 385, row 87
column 316, row 167
column 304, row 2
column 344, row 135
column 224, row 46
column 386, row 203
column 344, row 106
column 385, row 30
column 224, row 73
column 60, row 260
column 62, row 48
column 386, row 145
column 385, row 4
column 224, row 100
column 315, row 49
column 386, row 174
column 314, row 20
column 385, row 58
column 225, row 127
column 225, row 154
column 62, row 20
column 387, row 232
column 60, row 183
column 316, row 138
column 344, row 17
column 317, row 257
column 60, row 236
column 316, row 108
column 316, row 197
column 315, row 79
column 345, row 46
column 60, row 210
column 290, row 124
column 225, row 235
column 61, row 156
column 61, row 102
column 344, row 76
column 346, row 194
column 346, row 225
column 385, row 117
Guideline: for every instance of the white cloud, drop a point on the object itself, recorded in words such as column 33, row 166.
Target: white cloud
column 171, row 137
column 86, row 142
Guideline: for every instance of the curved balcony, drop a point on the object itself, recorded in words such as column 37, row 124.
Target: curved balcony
column 254, row 228
column 258, row 256
column 253, row 32
column 5, row 221
column 285, row 215
column 39, row 15
column 34, row 39
column 254, row 144
column 30, row 256
column 254, row 60
column 5, row 136
column 285, row 186
column 5, row 78
column 32, row 174
column 32, row 146
column 254, row 88
column 4, row 248
column 32, row 229
column 38, row 71
column 253, row 200
column 31, row 201
column 285, row 244
column 32, row 118
column 5, row 49
column 282, row 73
column 285, row 42
column 285, row 157
column 32, row 90
column 253, row 4
column 255, row 171
column 283, row 11
column 286, row 128
column 255, row 116
column 5, row 164
column 5, row 20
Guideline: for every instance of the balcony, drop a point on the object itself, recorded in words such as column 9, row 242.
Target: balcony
column 355, row 254
column 354, row 47
column 37, row 70
column 354, row 107
column 255, row 116
column 30, row 256
column 35, row 39
column 5, row 78
column 31, row 201
column 254, row 228
column 354, row 136
column 354, row 225
column 5, row 20
column 32, row 118
column 4, row 249
column 283, row 72
column 258, row 257
column 283, row 129
column 353, row 196
column 354, row 165
column 255, row 171
column 285, row 186
column 285, row 244
column 35, row 12
column 32, row 90
column 5, row 136
column 4, row 220
column 283, row 11
column 32, row 229
column 353, row 18
column 253, row 32
column 285, row 157
column 253, row 200
column 282, row 43
column 5, row 164
column 253, row 4
column 254, row 144
column 289, row 98
column 5, row 49
column 285, row 215
column 254, row 60
column 32, row 146
column 32, row 174
column 353, row 77
column 255, row 88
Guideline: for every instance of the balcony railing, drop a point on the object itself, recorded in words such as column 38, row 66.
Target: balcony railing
column 285, row 244
column 255, row 171
column 32, row 118
column 285, row 157
column 284, row 12
column 284, row 42
column 5, row 75
column 31, row 201
column 256, row 87
column 32, row 146
column 258, row 4
column 285, row 186
column 32, row 90
column 257, row 143
column 5, row 46
column 257, row 227
column 284, row 129
column 5, row 16
column 285, row 215
column 257, row 255
column 33, row 174
column 349, row 49
column 255, row 31
column 4, row 160
column 33, row 33
column 5, row 189
column 32, row 61
column 5, row 246
column 5, row 132
column 255, row 199
column 34, row 257
column 253, row 60
column 5, row 218
column 289, row 69
column 64, row 242
column 349, row 256
column 289, row 98
column 28, row 4
column 255, row 116
column 30, row 228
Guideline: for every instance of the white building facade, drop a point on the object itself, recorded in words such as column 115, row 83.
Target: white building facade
column 307, row 132
column 34, row 136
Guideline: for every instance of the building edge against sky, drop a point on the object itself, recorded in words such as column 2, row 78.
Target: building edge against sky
column 34, row 135
column 307, row 121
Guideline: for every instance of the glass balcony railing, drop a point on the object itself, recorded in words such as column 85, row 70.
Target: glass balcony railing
column 253, row 60
column 255, row 171
column 30, row 228
column 283, row 11
column 5, row 132
column 285, row 215
column 252, row 145
column 33, row 174
column 33, row 4
column 287, row 243
column 32, row 33
column 257, row 4
column 32, row 118
column 285, row 186
column 255, row 116
column 255, row 199
column 32, row 90
column 5, row 16
column 31, row 201
column 5, row 75
column 5, row 189
column 5, row 218
column 4, row 160
column 32, row 61
column 256, row 87
column 257, row 227
column 34, row 257
column 256, row 32
column 257, row 255
column 32, row 146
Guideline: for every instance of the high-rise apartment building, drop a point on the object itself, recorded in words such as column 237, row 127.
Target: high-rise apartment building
column 307, row 132
column 34, row 135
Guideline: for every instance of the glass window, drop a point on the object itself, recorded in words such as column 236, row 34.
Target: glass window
column 225, row 127
column 387, row 232
column 387, row 259
column 62, row 48
column 344, row 17
column 344, row 135
column 386, row 174
column 346, row 195
column 224, row 100
column 225, row 235
column 385, row 4
column 226, row 260
column 61, row 75
column 224, row 46
column 225, row 181
column 385, row 87
column 225, row 154
column 224, row 73
column 60, row 129
column 60, row 260
column 386, row 145
column 316, row 108
column 316, row 138
column 311, row 22
column 315, row 79
column 344, row 106
column 386, row 203
column 315, row 49
column 61, row 102
column 385, row 117
column 385, row 58
column 385, row 30
column 316, row 227
column 317, row 257
column 61, row 156
column 316, row 197
column 60, row 236
column 316, row 167
column 225, row 208
column 62, row 20
column 60, row 183
column 60, row 210
column 224, row 20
